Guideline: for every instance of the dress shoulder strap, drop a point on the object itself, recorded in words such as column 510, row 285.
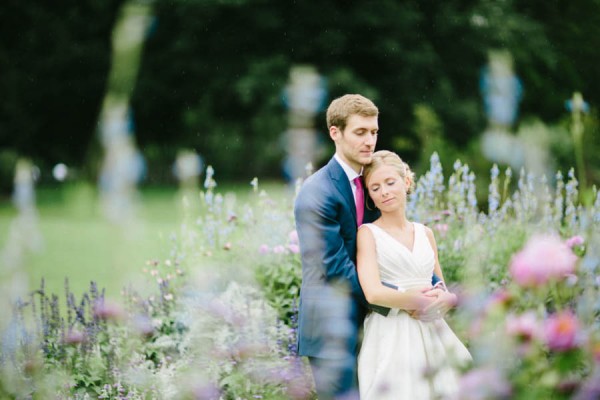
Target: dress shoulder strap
column 368, row 225
column 375, row 230
column 418, row 227
column 420, row 231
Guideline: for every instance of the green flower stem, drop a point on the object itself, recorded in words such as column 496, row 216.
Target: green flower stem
column 577, row 129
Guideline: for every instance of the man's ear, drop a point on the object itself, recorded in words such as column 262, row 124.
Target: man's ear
column 334, row 132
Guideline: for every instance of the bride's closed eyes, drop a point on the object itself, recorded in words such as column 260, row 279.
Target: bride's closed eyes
column 389, row 182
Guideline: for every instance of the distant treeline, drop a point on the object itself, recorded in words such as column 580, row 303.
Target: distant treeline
column 213, row 73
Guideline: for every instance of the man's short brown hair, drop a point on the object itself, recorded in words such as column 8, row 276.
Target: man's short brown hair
column 343, row 107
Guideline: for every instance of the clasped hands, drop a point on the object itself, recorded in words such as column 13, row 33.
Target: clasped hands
column 431, row 303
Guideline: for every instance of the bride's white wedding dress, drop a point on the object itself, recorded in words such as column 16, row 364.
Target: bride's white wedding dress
column 401, row 357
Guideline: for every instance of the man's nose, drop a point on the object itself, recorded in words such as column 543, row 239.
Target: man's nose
column 371, row 140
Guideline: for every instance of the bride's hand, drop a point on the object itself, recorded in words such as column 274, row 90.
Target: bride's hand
column 434, row 292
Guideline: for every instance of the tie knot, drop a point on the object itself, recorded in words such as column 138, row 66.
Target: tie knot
column 358, row 181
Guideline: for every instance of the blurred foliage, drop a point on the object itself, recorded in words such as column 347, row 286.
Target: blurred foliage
column 54, row 61
column 213, row 73
column 280, row 278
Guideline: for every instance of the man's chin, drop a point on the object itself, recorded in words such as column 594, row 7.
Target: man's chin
column 365, row 160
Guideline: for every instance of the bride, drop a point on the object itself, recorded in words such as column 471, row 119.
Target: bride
column 412, row 353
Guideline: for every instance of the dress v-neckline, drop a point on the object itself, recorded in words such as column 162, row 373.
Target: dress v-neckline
column 399, row 242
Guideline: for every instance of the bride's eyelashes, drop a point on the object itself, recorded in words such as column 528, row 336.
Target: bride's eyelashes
column 390, row 183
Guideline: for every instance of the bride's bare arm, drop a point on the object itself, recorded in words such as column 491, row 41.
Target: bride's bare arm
column 444, row 300
column 437, row 269
column 370, row 280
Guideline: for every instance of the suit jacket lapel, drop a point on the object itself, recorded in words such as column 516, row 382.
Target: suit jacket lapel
column 341, row 183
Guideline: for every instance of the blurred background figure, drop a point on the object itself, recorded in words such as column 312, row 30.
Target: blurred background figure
column 187, row 169
column 24, row 233
column 60, row 172
column 123, row 165
column 501, row 91
column 23, row 236
column 578, row 107
column 304, row 97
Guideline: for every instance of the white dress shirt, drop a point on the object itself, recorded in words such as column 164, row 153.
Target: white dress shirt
column 350, row 173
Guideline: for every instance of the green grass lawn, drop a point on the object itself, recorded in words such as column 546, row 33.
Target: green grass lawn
column 81, row 245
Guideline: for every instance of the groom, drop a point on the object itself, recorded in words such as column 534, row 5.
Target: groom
column 332, row 303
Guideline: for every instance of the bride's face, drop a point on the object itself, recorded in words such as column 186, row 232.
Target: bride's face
column 388, row 188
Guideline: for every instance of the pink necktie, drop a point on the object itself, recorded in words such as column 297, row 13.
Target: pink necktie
column 360, row 200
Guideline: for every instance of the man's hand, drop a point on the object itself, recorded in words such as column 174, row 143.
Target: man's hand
column 442, row 302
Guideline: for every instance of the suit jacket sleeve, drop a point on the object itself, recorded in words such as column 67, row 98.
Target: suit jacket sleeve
column 326, row 235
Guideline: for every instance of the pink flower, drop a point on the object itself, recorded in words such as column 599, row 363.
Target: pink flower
column 264, row 249
column 574, row 241
column 107, row 310
column 501, row 298
column 524, row 327
column 293, row 243
column 544, row 258
column 483, row 383
column 279, row 249
column 596, row 351
column 561, row 331
column 441, row 228
column 75, row 337
column 293, row 237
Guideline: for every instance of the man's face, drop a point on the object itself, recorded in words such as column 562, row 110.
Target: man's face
column 356, row 144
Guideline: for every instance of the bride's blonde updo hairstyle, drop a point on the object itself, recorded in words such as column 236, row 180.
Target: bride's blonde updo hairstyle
column 385, row 157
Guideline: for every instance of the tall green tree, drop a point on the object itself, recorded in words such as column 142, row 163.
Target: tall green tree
column 54, row 60
column 214, row 70
column 572, row 31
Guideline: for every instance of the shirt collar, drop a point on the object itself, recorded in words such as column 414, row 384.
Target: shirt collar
column 350, row 173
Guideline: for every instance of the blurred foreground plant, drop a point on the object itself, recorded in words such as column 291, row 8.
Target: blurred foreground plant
column 201, row 329
column 219, row 318
column 528, row 274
